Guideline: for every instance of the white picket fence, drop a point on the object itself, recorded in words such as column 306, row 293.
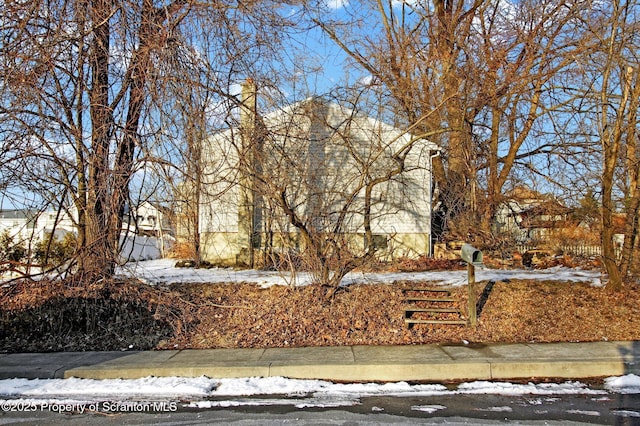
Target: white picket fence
column 574, row 249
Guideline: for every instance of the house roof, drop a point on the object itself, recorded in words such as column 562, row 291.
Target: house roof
column 317, row 110
column 304, row 119
column 619, row 223
column 522, row 193
column 534, row 217
column 548, row 207
column 17, row 214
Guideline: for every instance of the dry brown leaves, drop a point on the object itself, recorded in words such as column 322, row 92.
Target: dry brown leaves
column 519, row 311
column 244, row 315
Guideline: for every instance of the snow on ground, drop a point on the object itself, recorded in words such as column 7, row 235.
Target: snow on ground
column 624, row 384
column 204, row 392
column 209, row 393
column 163, row 271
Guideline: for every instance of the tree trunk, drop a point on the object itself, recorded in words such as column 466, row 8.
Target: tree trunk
column 97, row 254
column 611, row 147
column 633, row 170
column 123, row 167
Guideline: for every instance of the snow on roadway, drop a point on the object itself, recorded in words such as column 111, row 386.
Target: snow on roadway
column 163, row 271
column 203, row 392
column 202, row 387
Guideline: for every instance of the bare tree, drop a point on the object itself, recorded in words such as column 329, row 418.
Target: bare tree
column 343, row 183
column 79, row 80
column 483, row 71
column 416, row 52
column 175, row 156
column 524, row 50
column 612, row 82
column 195, row 96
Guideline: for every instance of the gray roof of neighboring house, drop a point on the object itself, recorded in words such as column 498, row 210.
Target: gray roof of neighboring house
column 17, row 214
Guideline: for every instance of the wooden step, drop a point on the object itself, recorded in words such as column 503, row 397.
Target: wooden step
column 439, row 302
column 410, row 321
column 429, row 299
column 434, row 290
column 433, row 310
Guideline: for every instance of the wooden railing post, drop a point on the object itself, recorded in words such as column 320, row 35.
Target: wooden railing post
column 473, row 257
column 471, row 272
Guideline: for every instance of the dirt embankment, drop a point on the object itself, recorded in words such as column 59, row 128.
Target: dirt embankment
column 122, row 315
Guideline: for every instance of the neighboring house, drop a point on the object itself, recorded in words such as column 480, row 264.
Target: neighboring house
column 149, row 219
column 56, row 224
column 529, row 215
column 18, row 224
column 32, row 225
column 315, row 152
column 619, row 223
column 147, row 237
column 542, row 219
column 147, row 232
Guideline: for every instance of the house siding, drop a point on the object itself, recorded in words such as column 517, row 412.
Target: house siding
column 327, row 171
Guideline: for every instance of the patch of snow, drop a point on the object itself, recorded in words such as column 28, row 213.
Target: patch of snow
column 108, row 389
column 627, row 384
column 584, row 412
column 498, row 409
column 258, row 402
column 302, row 393
column 428, row 408
column 163, row 271
column 506, row 388
column 625, row 413
column 309, row 402
column 328, row 401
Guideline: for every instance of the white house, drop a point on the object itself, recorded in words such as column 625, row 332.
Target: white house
column 27, row 225
column 18, row 224
column 57, row 224
column 320, row 157
column 147, row 238
column 148, row 219
column 146, row 232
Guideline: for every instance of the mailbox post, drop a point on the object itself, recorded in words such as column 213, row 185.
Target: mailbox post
column 473, row 257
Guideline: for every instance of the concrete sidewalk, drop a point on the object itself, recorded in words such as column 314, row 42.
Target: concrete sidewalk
column 431, row 363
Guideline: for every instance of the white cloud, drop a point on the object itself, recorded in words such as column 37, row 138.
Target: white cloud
column 336, row 4
column 367, row 80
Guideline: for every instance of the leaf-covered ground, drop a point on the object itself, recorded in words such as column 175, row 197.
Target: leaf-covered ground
column 54, row 316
